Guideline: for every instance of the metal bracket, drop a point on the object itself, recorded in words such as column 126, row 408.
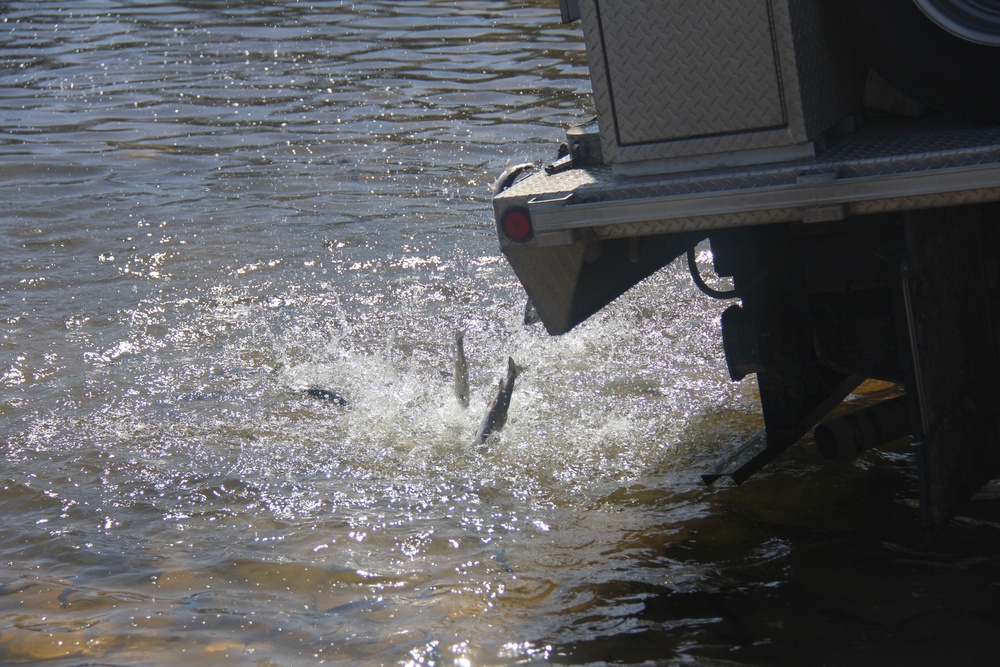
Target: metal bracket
column 828, row 213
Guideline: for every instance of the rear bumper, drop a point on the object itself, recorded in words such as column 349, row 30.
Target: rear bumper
column 596, row 235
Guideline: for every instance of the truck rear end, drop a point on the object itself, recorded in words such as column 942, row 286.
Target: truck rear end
column 851, row 197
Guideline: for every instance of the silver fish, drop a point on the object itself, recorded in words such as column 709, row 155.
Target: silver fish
column 461, row 370
column 496, row 413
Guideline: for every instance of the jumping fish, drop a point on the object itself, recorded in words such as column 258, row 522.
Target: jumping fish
column 496, row 413
column 461, row 370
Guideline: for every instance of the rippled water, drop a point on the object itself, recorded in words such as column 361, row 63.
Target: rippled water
column 214, row 206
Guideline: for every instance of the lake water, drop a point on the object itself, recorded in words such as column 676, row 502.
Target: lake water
column 211, row 207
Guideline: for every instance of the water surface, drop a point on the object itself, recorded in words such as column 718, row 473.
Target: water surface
column 211, row 207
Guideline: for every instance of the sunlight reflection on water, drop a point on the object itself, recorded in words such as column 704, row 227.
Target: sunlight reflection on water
column 217, row 206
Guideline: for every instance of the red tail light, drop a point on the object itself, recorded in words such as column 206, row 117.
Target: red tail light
column 516, row 224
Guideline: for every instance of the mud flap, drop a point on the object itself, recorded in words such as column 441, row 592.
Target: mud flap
column 948, row 290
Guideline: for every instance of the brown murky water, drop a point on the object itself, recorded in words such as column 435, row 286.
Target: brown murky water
column 213, row 206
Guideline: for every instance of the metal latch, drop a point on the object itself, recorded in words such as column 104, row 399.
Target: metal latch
column 562, row 164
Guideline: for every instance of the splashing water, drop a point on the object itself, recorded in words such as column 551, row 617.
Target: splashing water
column 213, row 207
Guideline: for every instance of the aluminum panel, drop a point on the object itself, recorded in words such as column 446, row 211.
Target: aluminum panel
column 828, row 72
column 682, row 85
column 718, row 59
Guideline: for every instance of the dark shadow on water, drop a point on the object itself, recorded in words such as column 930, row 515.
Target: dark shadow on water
column 812, row 564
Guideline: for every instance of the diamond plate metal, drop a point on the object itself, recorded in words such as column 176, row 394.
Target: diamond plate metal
column 725, row 68
column 675, row 79
column 881, row 150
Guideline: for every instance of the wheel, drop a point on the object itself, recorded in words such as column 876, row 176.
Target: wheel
column 944, row 53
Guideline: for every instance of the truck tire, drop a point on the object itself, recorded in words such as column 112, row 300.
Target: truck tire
column 944, row 53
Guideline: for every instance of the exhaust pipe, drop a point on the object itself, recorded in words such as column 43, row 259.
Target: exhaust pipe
column 847, row 436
